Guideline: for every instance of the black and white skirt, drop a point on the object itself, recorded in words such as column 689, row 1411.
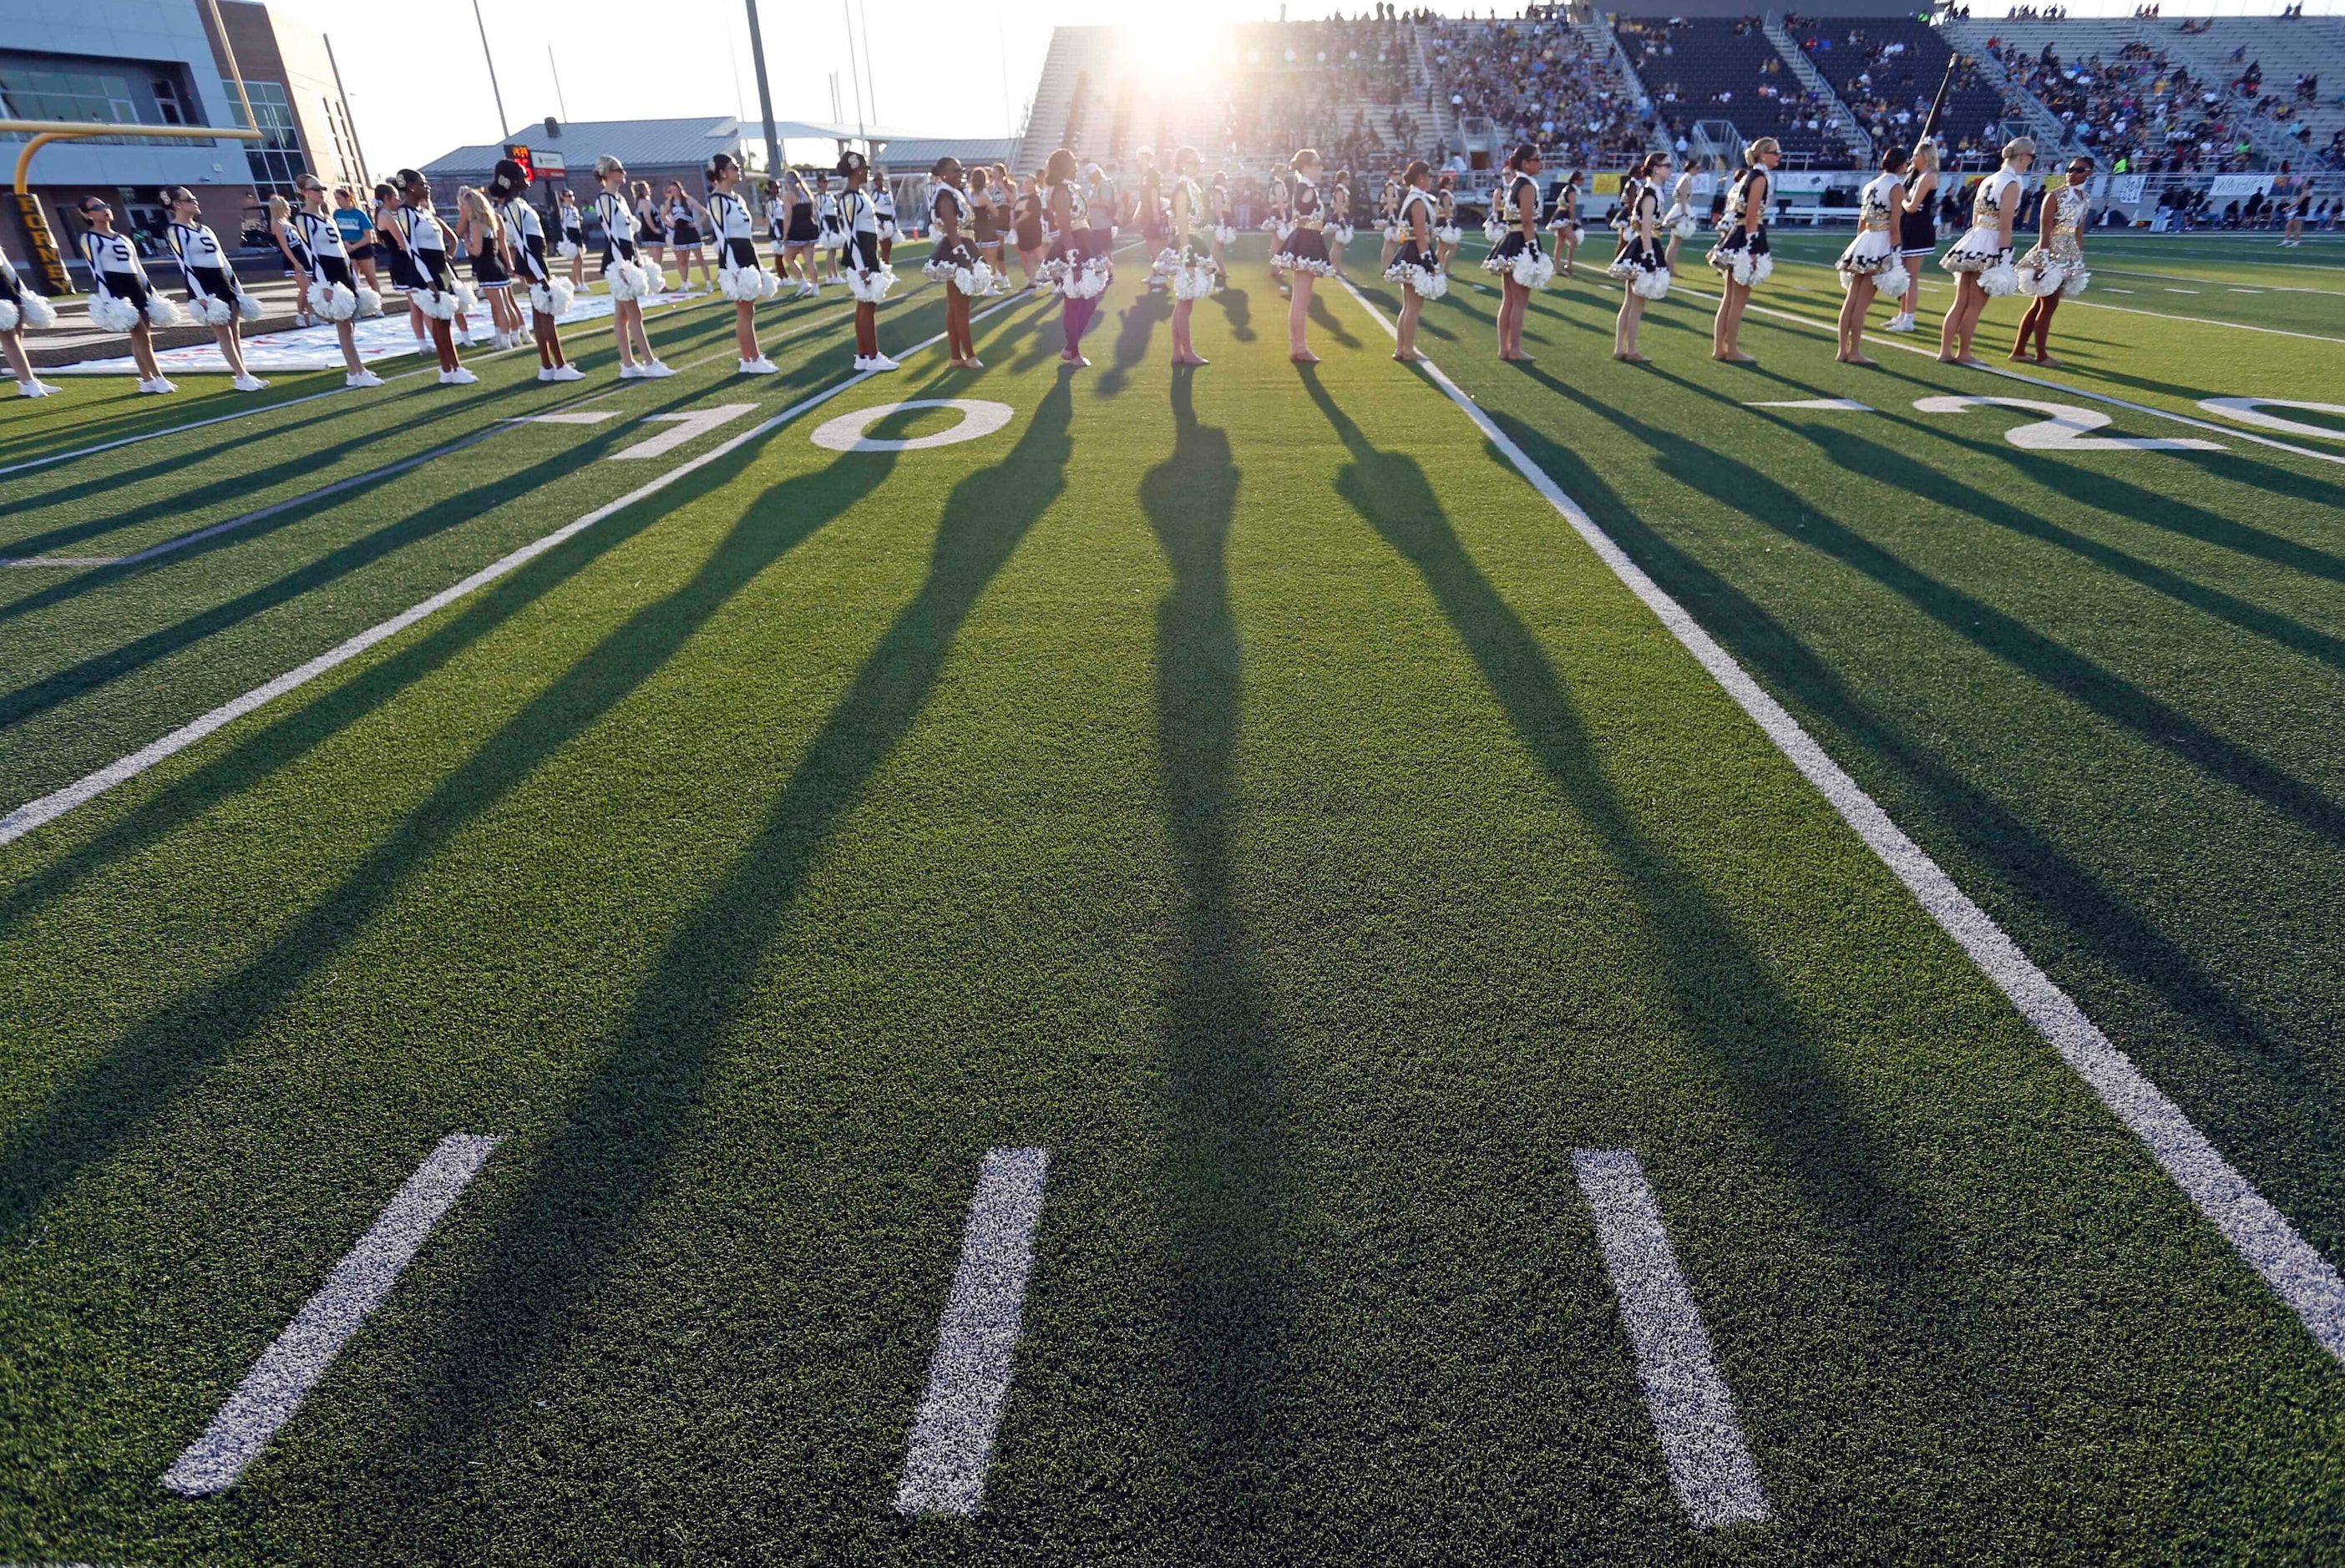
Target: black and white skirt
column 803, row 229
column 683, row 231
column 1418, row 271
column 489, row 269
column 1743, row 255
column 1518, row 257
column 956, row 263
column 1645, row 269
column 1304, row 250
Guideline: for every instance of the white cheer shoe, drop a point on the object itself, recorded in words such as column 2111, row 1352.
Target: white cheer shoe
column 760, row 366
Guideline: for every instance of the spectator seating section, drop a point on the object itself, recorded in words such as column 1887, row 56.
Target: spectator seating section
column 1710, row 69
column 1887, row 70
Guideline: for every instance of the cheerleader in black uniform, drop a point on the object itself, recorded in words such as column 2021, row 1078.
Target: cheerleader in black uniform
column 1741, row 255
column 631, row 281
column 954, row 261
column 482, row 240
column 1917, row 229
column 1417, row 265
column 830, row 238
column 333, row 291
column 217, row 299
column 394, row 251
column 1338, row 231
column 740, row 277
column 869, row 277
column 1563, row 222
column 1518, row 257
column 125, row 300
column 297, row 258
column 21, row 307
column 651, row 233
column 1447, row 233
column 549, row 296
column 1303, row 255
column 573, row 248
column 1000, row 199
column 801, row 235
column 882, row 192
column 680, row 217
column 437, row 293
column 1195, row 274
column 1643, row 263
column 1079, row 277
column 983, row 218
column 1032, row 247
column 1388, row 219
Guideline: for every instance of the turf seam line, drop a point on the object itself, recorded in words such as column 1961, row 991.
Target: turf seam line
column 46, row 809
column 291, row 1367
column 1710, row 1464
column 2113, row 401
column 977, row 1337
column 2256, row 1230
column 166, row 546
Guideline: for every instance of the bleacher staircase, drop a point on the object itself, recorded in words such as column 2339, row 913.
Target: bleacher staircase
column 1858, row 143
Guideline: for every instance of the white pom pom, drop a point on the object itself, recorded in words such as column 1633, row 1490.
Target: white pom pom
column 551, row 298
column 1893, row 283
column 739, row 284
column 370, row 302
column 1687, row 228
column 1533, row 269
column 2000, row 279
column 10, row 317
column 2078, row 278
column 39, row 314
column 249, row 305
column 1225, row 234
column 1167, row 262
column 1196, row 282
column 214, row 312
column 566, row 249
column 1447, row 234
column 109, row 314
column 467, row 302
column 1651, row 282
column 437, row 303
column 870, row 288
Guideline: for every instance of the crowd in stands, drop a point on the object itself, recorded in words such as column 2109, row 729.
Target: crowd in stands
column 1766, row 99
column 2139, row 112
column 1535, row 81
column 1888, row 74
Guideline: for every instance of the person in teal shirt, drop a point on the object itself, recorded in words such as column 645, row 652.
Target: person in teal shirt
column 357, row 233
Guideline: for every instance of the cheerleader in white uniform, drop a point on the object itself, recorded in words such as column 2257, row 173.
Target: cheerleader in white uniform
column 1388, row 216
column 869, row 278
column 1643, row 265
column 740, row 277
column 214, row 294
column 549, row 296
column 281, row 229
column 1680, row 219
column 21, row 307
column 954, row 259
column 2054, row 268
column 436, row 291
column 1447, row 233
column 830, row 236
column 125, row 301
column 393, row 251
column 651, row 233
column 333, row 291
column 1226, row 228
column 632, row 282
column 1741, row 255
column 1980, row 260
column 1416, row 264
column 1302, row 256
column 1564, row 224
column 1080, row 277
column 1872, row 263
column 1195, row 273
column 1516, row 258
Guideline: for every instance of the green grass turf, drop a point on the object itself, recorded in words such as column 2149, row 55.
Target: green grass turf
column 1243, row 785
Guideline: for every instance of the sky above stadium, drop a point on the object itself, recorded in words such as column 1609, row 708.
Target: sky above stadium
column 938, row 67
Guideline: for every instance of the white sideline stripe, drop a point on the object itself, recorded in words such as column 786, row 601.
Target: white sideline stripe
column 2204, row 320
column 2261, row 1235
column 1709, row 1465
column 291, row 1367
column 1850, row 404
column 57, row 803
column 968, row 1377
column 288, row 505
column 1889, row 341
column 584, row 417
column 270, row 407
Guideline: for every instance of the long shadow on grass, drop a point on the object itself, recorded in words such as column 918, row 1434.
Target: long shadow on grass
column 1226, row 1170
column 1137, row 326
column 1768, row 1059
column 580, row 1194
column 1237, row 305
column 2286, row 1115
column 1763, row 499
column 141, row 1073
column 1324, row 319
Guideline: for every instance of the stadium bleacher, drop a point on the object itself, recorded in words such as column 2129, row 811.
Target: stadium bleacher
column 1887, row 69
column 1722, row 68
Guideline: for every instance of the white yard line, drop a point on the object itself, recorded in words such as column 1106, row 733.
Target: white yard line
column 1892, row 341
column 2261, row 1235
column 977, row 1338
column 1710, row 1464
column 291, row 1367
column 81, row 791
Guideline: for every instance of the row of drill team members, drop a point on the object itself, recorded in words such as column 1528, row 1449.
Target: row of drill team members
column 1078, row 219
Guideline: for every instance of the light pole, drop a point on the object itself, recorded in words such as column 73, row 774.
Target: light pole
column 495, row 92
column 765, row 95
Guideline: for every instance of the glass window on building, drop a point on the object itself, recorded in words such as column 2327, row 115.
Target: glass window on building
column 34, row 91
column 275, row 159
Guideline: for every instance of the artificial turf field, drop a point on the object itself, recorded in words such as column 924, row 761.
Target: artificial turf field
column 1247, row 787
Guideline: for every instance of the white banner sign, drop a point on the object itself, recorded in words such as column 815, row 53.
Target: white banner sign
column 2230, row 187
